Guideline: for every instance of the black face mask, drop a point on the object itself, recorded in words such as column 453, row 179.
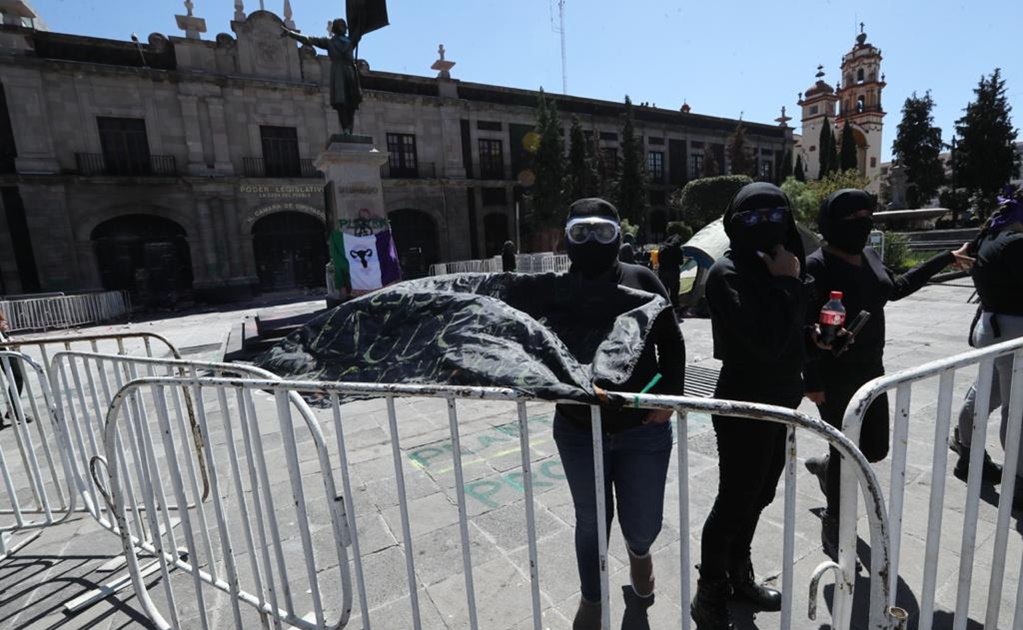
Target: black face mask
column 762, row 237
column 593, row 259
column 851, row 236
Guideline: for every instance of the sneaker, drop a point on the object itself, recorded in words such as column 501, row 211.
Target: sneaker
column 818, row 467
column 990, row 471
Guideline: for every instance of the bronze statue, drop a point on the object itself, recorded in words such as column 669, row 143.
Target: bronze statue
column 345, row 88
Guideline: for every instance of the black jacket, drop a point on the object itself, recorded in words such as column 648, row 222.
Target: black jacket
column 866, row 288
column 998, row 274
column 758, row 320
column 665, row 356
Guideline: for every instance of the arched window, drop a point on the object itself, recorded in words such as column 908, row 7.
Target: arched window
column 859, row 75
column 291, row 250
column 861, row 103
column 415, row 238
column 146, row 255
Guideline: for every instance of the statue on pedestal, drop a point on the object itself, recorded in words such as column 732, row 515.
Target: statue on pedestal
column 342, row 48
column 345, row 88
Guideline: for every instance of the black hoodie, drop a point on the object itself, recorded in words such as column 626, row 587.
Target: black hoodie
column 868, row 287
column 758, row 319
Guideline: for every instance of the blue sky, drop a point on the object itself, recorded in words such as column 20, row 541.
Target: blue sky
column 725, row 57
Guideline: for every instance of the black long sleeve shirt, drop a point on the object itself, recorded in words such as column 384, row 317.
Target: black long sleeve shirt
column 665, row 356
column 758, row 325
column 867, row 287
column 998, row 274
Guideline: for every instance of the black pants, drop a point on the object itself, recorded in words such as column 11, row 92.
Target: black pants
column 672, row 283
column 839, row 388
column 751, row 456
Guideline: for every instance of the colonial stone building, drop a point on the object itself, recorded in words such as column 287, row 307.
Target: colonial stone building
column 183, row 165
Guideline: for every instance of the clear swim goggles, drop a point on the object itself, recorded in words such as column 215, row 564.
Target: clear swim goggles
column 600, row 230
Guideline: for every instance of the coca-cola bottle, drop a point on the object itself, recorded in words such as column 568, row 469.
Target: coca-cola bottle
column 832, row 318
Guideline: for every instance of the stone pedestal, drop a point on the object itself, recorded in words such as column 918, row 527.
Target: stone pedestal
column 355, row 197
column 354, row 204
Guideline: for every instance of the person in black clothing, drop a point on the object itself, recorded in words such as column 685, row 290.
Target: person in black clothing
column 670, row 261
column 998, row 277
column 19, row 378
column 637, row 443
column 845, row 263
column 627, row 252
column 508, row 257
column 757, row 298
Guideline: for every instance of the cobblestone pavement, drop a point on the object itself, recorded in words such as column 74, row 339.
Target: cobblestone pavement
column 67, row 559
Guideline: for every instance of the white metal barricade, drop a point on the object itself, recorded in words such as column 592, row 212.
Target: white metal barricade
column 65, row 311
column 902, row 383
column 257, row 545
column 32, row 467
column 883, row 615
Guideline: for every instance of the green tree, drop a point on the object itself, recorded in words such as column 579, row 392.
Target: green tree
column 786, row 166
column 806, row 197
column 828, row 151
column 582, row 177
column 547, row 197
column 680, row 229
column 739, row 155
column 917, row 147
column 798, row 171
column 632, row 197
column 849, row 158
column 704, row 200
column 985, row 156
column 709, row 167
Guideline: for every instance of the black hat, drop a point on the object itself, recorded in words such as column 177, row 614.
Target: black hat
column 593, row 207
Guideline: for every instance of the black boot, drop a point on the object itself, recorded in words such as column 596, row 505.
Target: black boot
column 818, row 467
column 710, row 606
column 990, row 471
column 745, row 587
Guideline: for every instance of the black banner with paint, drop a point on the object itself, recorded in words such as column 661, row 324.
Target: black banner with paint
column 553, row 336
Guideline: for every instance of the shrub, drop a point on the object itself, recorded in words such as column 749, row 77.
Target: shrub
column 681, row 229
column 704, row 200
column 896, row 252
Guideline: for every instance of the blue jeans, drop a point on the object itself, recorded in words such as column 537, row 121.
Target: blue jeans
column 636, row 467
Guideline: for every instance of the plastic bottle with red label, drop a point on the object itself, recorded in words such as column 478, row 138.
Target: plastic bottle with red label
column 832, row 318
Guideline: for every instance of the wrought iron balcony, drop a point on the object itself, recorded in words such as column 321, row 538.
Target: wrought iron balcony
column 260, row 167
column 126, row 165
column 424, row 170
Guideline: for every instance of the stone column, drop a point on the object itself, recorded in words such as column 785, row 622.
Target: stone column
column 207, row 248
column 221, row 148
column 193, row 135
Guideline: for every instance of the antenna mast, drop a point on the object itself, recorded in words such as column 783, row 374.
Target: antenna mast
column 559, row 28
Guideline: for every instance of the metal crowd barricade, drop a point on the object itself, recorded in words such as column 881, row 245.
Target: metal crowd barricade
column 902, row 382
column 34, row 472
column 65, row 311
column 883, row 616
column 248, row 547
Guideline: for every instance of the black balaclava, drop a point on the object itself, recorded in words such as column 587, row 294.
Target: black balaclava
column 766, row 235
column 593, row 259
column 849, row 236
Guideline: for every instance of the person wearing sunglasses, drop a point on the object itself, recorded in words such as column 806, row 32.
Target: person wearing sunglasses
column 637, row 443
column 845, row 263
column 757, row 296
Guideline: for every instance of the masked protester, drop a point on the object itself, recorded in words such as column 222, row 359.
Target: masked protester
column 508, row 257
column 998, row 277
column 845, row 263
column 15, row 367
column 757, row 299
column 671, row 259
column 637, row 444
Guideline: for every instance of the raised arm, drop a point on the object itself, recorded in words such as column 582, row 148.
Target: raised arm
column 319, row 42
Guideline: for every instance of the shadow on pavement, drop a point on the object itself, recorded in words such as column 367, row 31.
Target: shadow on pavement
column 635, row 616
column 40, row 601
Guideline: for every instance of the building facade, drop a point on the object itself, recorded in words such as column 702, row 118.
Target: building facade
column 182, row 166
column 855, row 101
